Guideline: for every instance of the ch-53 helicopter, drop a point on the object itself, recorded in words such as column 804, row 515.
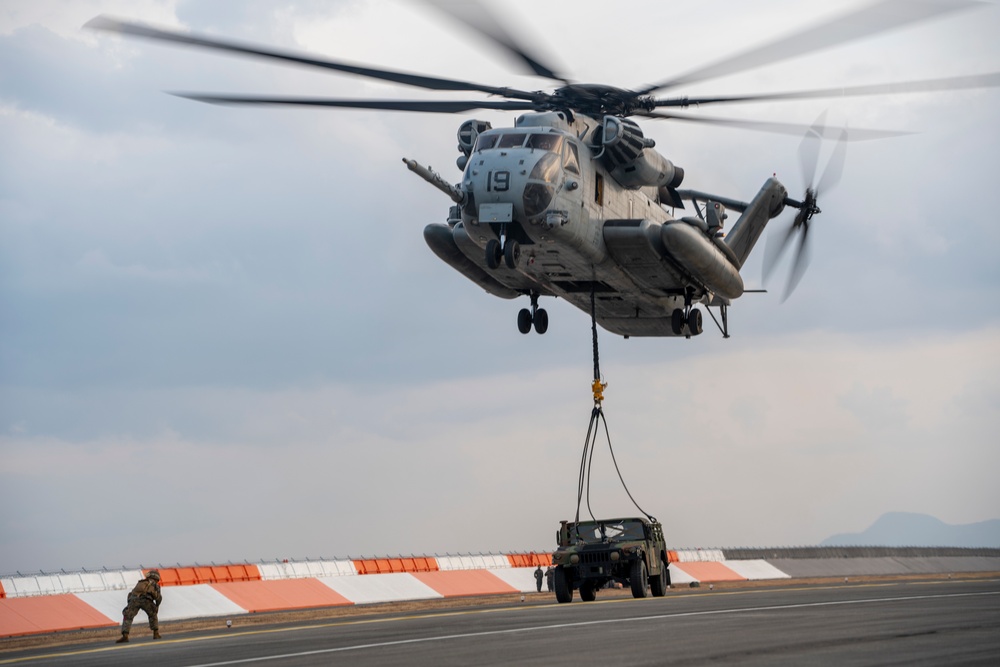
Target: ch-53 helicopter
column 573, row 200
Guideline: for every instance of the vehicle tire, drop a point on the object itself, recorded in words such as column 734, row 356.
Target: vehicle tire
column 524, row 320
column 639, row 579
column 588, row 591
column 677, row 321
column 658, row 583
column 563, row 585
column 694, row 322
column 511, row 253
column 541, row 321
column 493, row 254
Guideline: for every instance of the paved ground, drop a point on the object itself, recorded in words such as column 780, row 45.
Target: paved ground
column 876, row 620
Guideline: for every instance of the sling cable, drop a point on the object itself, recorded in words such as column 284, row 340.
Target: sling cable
column 596, row 419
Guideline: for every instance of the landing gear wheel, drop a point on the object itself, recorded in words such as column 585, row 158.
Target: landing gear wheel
column 677, row 321
column 511, row 253
column 638, row 579
column 493, row 254
column 524, row 320
column 694, row 322
column 658, row 583
column 564, row 587
column 541, row 320
column 588, row 591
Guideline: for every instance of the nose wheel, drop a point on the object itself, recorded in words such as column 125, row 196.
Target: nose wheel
column 536, row 317
column 509, row 252
column 688, row 317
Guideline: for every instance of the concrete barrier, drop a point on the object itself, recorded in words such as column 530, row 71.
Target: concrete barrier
column 51, row 603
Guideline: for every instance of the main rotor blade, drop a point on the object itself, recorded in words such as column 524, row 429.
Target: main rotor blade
column 427, row 106
column 110, row 24
column 864, row 22
column 990, row 80
column 796, row 129
column 477, row 16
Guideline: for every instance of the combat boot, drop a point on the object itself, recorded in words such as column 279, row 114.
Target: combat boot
column 156, row 634
column 124, row 639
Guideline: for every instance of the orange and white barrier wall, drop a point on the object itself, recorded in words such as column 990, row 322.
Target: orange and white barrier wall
column 51, row 603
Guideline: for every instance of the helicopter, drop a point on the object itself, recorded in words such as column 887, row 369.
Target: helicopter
column 574, row 201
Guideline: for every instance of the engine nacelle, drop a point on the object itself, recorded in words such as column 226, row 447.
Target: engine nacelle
column 468, row 132
column 630, row 157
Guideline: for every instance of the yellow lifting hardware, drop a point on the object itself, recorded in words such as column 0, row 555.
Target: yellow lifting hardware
column 598, row 388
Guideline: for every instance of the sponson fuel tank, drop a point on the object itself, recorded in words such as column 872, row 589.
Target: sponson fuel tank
column 694, row 251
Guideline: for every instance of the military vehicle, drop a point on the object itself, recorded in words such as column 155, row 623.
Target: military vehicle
column 596, row 554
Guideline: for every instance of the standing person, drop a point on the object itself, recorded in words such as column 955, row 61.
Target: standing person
column 538, row 578
column 145, row 596
column 549, row 574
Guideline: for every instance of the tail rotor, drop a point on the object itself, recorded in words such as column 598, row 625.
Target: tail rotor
column 807, row 207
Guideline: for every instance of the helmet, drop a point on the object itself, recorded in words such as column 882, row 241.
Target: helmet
column 153, row 574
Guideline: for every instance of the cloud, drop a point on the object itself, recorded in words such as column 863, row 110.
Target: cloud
column 490, row 463
column 238, row 303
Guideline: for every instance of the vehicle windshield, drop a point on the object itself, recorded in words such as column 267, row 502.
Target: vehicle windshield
column 595, row 532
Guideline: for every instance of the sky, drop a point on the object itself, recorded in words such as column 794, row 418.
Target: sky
column 223, row 339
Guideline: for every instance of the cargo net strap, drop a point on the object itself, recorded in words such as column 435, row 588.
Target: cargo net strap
column 597, row 417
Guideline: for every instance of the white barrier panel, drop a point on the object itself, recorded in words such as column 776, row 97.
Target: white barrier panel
column 679, row 577
column 521, row 578
column 306, row 570
column 477, row 562
column 373, row 588
column 756, row 569
column 76, row 582
column 700, row 555
column 179, row 602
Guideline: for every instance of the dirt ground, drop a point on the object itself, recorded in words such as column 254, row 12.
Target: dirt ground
column 141, row 632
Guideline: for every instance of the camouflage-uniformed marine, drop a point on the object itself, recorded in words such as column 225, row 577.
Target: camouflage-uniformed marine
column 145, row 596
column 596, row 554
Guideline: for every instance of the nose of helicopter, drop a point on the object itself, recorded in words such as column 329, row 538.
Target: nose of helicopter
column 525, row 178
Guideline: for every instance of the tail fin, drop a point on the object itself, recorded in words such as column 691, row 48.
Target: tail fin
column 768, row 204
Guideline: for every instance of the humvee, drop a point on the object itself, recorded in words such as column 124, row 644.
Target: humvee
column 595, row 554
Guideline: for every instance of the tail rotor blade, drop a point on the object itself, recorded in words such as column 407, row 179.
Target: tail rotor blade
column 774, row 249
column 835, row 167
column 809, row 151
column 800, row 264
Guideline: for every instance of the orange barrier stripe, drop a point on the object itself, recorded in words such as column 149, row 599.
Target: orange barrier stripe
column 672, row 557
column 531, row 559
column 279, row 594
column 48, row 613
column 709, row 571
column 213, row 574
column 390, row 565
column 458, row 583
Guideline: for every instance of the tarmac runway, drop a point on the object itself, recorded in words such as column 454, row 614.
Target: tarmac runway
column 911, row 623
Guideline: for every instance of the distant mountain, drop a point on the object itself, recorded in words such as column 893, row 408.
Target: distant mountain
column 905, row 529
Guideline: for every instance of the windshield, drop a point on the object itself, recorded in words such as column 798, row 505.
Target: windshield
column 595, row 532
column 545, row 142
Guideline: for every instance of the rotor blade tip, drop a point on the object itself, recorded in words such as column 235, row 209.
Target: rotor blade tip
column 102, row 22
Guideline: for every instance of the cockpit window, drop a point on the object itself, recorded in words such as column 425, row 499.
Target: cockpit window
column 511, row 140
column 486, row 141
column 571, row 160
column 545, row 142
